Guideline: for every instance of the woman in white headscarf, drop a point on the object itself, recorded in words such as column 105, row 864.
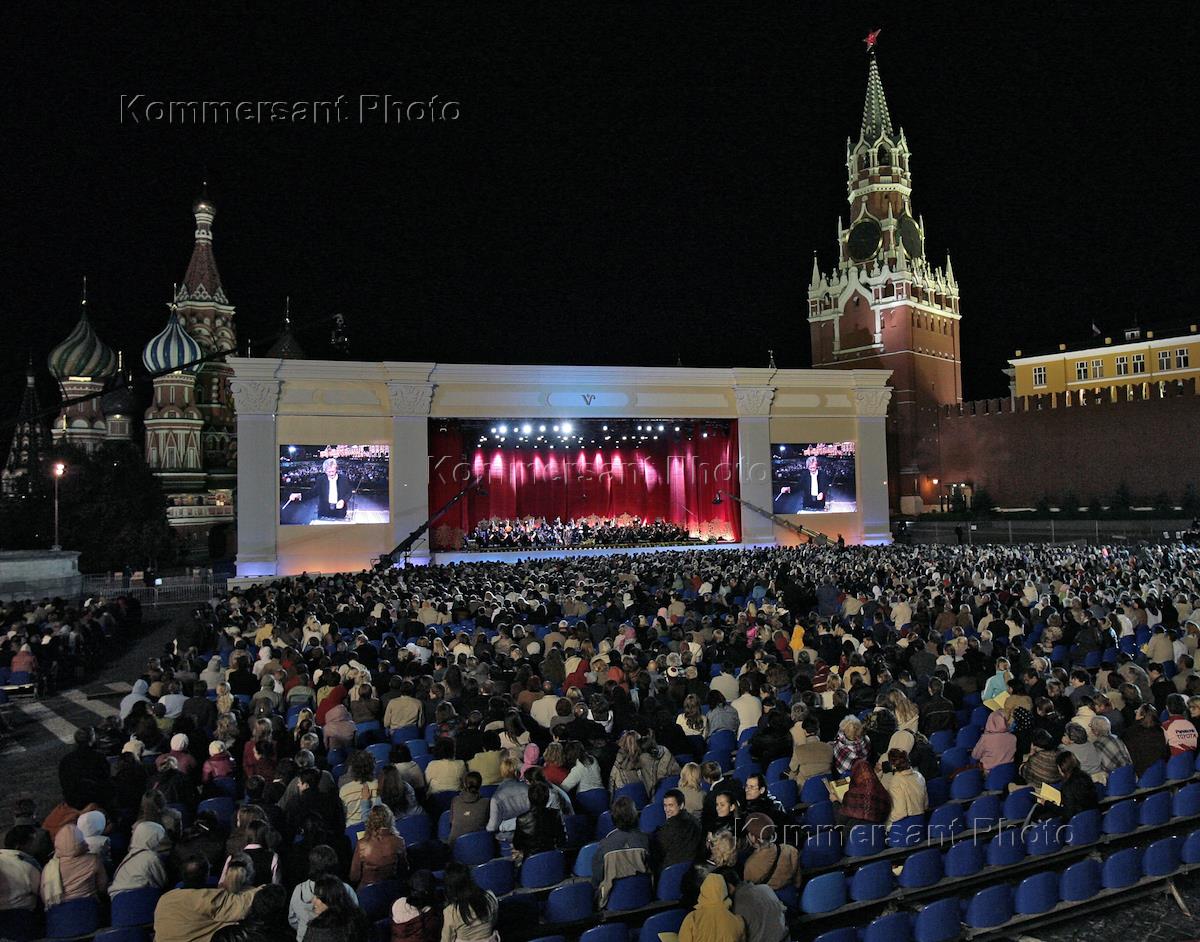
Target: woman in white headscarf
column 142, row 866
column 91, row 825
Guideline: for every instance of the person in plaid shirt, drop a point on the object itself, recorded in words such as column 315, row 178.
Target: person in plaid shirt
column 1113, row 753
column 849, row 746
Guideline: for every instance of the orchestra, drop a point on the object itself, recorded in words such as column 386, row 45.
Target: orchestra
column 540, row 533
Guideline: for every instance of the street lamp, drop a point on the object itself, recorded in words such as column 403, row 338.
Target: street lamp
column 59, row 471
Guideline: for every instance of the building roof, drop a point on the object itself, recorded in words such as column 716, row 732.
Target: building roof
column 876, row 121
column 1155, row 336
column 202, row 281
column 286, row 346
column 82, row 353
column 172, row 348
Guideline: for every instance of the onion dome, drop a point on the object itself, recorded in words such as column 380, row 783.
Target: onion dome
column 171, row 349
column 82, row 353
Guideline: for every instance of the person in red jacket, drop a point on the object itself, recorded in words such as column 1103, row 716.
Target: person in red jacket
column 417, row 917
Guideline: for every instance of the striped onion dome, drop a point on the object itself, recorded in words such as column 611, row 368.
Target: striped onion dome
column 82, row 354
column 171, row 348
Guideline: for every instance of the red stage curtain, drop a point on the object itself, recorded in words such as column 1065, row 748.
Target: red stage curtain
column 672, row 480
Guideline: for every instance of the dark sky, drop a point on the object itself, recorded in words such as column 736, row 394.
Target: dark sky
column 625, row 183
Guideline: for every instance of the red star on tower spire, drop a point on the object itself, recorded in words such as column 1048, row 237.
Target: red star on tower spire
column 872, row 39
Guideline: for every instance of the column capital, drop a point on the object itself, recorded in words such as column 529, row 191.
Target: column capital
column 754, row 400
column 410, row 398
column 872, row 400
column 255, row 397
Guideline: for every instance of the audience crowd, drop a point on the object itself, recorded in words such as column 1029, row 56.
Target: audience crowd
column 264, row 771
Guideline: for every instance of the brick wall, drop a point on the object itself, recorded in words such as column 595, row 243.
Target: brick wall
column 1040, row 446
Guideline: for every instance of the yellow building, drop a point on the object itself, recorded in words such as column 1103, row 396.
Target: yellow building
column 1141, row 357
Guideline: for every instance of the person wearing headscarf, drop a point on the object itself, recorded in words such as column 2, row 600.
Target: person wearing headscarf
column 905, row 786
column 997, row 745
column 142, row 866
column 72, row 873
column 334, row 698
column 24, row 660
column 339, row 727
column 179, row 750
column 866, row 800
column 712, row 920
column 91, row 825
column 137, row 695
column 213, row 674
column 219, row 763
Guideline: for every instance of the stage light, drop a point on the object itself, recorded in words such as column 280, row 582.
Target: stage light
column 639, row 428
column 624, row 437
column 656, row 438
column 291, row 449
column 567, row 427
column 526, row 429
column 782, row 449
column 541, row 428
column 607, row 437
column 660, row 428
column 503, row 429
column 677, row 428
column 604, row 428
column 493, row 430
column 704, row 435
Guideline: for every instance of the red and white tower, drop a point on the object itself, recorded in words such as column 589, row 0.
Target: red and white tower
column 885, row 306
column 206, row 315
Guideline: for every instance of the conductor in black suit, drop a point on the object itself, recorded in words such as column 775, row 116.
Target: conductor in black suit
column 812, row 488
column 330, row 495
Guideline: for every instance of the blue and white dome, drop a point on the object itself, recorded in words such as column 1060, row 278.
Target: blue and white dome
column 171, row 349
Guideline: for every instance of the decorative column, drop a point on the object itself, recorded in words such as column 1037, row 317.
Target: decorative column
column 871, row 405
column 410, row 404
column 257, row 476
column 754, row 459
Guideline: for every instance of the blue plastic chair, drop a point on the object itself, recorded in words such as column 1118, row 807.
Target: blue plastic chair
column 785, row 792
column 417, row 747
column 924, row 868
column 894, row 927
column 495, row 875
column 1121, row 782
column 1120, row 818
column 984, row 812
column 223, row 787
column 670, row 882
column 814, row 790
column 743, row 772
column 954, row 758
column 635, row 791
column 1084, row 828
column 583, row 860
column 999, row 778
column 1080, row 881
column 1043, row 837
column 594, row 801
column 1162, row 857
column 1186, row 801
column 406, row 734
column 1122, row 869
column 670, row 921
column 863, row 840
column 122, row 934
column 223, row 808
column 723, row 740
column 824, row 893
column 569, row 902
column 651, row 818
column 942, row 740
column 964, row 859
column 743, row 760
column 907, row 832
column 1154, row 776
column 980, row 716
column 381, row 752
column 385, row 931
column 938, row 790
column 871, row 881
column 611, row 932
column 474, row 848
column 443, row 828
column 1005, row 848
column 367, row 732
column 822, row 849
column 416, row 830
column 967, row 785
column 73, row 918
column 632, row 892
column 578, row 828
column 820, row 814
column 940, row 921
column 1191, row 848
column 135, row 907
column 604, row 824
column 968, row 736
column 845, row 934
column 1017, row 804
column 777, row 769
column 945, row 822
column 544, row 869
column 376, row 899
column 990, row 907
column 1155, row 810
column 1181, row 766
column 1036, row 894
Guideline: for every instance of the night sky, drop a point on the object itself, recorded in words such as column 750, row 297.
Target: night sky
column 623, row 185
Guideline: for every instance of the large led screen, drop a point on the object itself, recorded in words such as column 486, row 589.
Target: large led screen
column 813, row 478
column 333, row 484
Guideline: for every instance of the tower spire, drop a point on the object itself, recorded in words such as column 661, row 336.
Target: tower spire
column 876, row 121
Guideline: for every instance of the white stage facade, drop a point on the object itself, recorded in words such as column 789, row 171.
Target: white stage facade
column 401, row 407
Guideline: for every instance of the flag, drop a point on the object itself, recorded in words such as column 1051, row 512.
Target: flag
column 1096, row 332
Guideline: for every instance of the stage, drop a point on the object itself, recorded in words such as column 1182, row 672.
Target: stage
column 511, row 556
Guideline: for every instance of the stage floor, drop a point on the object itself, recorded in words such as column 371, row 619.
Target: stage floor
column 512, row 556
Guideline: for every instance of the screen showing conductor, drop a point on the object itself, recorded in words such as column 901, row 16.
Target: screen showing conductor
column 813, row 478
column 323, row 485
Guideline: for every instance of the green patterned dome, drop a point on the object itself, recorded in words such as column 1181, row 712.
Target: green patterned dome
column 82, row 354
